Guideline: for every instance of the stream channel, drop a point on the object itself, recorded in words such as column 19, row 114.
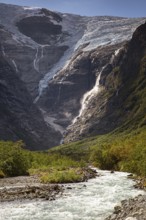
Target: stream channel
column 92, row 200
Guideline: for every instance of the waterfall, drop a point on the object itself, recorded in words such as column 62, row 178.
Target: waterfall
column 35, row 62
column 15, row 65
column 88, row 95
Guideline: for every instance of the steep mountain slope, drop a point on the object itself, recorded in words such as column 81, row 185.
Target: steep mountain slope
column 120, row 101
column 59, row 59
column 19, row 117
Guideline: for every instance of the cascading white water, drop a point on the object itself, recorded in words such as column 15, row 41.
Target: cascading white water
column 35, row 62
column 15, row 65
column 87, row 97
column 93, row 200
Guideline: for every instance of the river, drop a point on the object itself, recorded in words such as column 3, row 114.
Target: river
column 93, row 200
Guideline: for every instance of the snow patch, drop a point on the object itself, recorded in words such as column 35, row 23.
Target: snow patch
column 31, row 8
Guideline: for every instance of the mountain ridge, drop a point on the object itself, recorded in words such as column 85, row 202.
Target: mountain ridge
column 58, row 58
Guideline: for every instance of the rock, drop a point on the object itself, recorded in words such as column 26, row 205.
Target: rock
column 132, row 209
column 117, row 209
column 69, row 187
column 130, row 175
column 28, row 188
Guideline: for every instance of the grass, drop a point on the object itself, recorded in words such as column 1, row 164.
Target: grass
column 124, row 151
column 64, row 176
column 49, row 167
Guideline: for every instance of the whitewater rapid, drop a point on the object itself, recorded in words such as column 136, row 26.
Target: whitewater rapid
column 93, row 200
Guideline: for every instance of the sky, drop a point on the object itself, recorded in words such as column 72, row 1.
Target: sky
column 124, row 8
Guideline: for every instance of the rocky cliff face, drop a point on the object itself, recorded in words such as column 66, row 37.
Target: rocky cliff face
column 19, row 117
column 62, row 62
column 120, row 101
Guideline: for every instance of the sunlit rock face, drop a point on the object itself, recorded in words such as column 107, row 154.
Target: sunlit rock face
column 58, row 58
column 118, row 99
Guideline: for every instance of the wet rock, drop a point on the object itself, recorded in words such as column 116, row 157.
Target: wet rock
column 132, row 209
column 117, row 209
column 69, row 187
column 130, row 175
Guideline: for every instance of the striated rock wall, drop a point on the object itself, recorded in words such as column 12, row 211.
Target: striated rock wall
column 20, row 119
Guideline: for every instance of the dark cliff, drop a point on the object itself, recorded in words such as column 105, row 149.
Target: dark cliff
column 19, row 117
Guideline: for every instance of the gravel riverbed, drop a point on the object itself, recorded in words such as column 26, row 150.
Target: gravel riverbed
column 27, row 187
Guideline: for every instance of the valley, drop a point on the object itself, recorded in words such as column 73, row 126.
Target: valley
column 58, row 59
column 72, row 98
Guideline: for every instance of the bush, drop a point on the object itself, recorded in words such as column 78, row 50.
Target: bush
column 14, row 161
column 16, row 165
column 67, row 176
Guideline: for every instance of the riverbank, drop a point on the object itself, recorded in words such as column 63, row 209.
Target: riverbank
column 30, row 187
column 94, row 199
column 75, row 197
column 132, row 209
column 27, row 187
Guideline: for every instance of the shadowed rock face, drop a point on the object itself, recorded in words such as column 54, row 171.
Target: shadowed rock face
column 62, row 98
column 19, row 117
column 40, row 29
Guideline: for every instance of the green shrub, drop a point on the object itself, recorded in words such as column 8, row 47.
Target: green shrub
column 67, row 176
column 14, row 161
column 16, row 165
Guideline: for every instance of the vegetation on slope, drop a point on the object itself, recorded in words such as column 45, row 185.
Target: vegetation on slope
column 115, row 151
column 49, row 167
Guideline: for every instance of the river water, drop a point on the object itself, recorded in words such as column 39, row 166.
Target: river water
column 93, row 200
